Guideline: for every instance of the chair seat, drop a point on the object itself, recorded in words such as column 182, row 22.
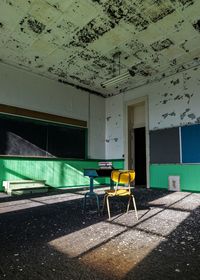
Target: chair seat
column 124, row 177
column 120, row 192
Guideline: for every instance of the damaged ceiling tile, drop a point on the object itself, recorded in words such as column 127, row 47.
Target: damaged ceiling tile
column 161, row 45
column 79, row 42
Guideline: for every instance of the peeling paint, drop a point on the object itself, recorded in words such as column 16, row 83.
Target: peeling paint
column 159, row 14
column 182, row 45
column 173, row 62
column 96, row 1
column 81, row 49
column 187, row 2
column 183, row 3
column 138, row 21
column 81, row 81
column 161, row 45
column 178, row 25
column 197, row 25
column 116, row 9
column 197, row 120
column 172, row 114
column 192, row 116
column 92, row 31
column 183, row 115
column 165, row 101
column 188, row 96
column 36, row 26
column 108, row 118
column 178, row 97
column 175, row 82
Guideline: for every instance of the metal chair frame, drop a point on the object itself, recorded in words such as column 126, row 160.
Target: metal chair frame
column 125, row 177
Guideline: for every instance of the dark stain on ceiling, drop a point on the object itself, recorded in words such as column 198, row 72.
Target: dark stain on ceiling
column 85, row 43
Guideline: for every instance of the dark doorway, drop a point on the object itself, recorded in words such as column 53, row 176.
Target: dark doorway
column 140, row 156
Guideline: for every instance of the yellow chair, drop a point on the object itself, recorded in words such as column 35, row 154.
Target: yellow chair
column 121, row 177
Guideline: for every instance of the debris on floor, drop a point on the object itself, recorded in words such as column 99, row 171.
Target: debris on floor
column 48, row 237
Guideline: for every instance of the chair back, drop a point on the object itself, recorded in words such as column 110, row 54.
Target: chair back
column 123, row 177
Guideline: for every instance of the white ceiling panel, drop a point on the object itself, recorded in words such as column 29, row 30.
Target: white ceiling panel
column 85, row 43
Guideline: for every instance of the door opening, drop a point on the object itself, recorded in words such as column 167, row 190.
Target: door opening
column 140, row 156
column 137, row 142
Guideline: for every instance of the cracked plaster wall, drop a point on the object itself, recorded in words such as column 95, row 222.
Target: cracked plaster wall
column 173, row 101
column 23, row 89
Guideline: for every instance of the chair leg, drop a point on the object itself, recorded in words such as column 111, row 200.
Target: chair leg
column 128, row 205
column 108, row 206
column 135, row 208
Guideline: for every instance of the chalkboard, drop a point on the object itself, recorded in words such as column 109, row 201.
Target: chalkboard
column 165, row 146
column 66, row 142
column 30, row 138
column 190, row 137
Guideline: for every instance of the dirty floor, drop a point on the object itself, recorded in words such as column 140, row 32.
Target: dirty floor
column 48, row 237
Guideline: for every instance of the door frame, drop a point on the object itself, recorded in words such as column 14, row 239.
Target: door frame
column 131, row 103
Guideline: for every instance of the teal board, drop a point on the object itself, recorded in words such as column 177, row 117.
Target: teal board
column 57, row 173
column 189, row 176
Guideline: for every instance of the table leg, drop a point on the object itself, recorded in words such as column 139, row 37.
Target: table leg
column 91, row 193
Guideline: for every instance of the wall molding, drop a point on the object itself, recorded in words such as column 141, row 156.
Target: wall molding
column 17, row 111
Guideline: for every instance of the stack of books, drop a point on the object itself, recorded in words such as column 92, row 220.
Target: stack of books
column 105, row 165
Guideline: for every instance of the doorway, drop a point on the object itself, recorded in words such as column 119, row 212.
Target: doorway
column 140, row 156
column 137, row 158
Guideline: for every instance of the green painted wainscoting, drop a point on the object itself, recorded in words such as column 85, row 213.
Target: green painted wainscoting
column 57, row 173
column 189, row 176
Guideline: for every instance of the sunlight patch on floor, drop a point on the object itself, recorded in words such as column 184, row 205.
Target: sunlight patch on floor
column 23, row 204
column 80, row 242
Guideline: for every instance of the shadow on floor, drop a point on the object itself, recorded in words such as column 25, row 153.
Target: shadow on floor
column 52, row 239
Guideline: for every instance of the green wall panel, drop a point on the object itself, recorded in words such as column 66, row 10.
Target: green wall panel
column 57, row 173
column 189, row 176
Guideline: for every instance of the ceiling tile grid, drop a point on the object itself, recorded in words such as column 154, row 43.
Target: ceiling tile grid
column 85, row 43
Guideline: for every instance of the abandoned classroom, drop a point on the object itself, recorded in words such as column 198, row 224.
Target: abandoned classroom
column 90, row 83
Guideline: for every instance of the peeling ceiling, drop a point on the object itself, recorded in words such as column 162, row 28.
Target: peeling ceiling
column 85, row 43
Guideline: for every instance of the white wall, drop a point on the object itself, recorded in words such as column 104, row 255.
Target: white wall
column 114, row 127
column 173, row 101
column 23, row 89
column 97, row 127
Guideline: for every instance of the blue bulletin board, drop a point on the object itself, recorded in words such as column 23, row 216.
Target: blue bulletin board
column 190, row 138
